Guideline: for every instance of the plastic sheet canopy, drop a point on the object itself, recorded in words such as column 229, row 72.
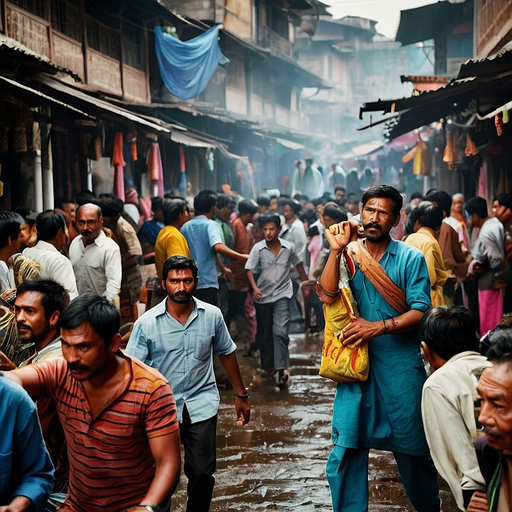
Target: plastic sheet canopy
column 187, row 66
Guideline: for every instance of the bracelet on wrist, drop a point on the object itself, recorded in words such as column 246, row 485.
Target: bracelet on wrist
column 243, row 397
column 153, row 507
column 330, row 294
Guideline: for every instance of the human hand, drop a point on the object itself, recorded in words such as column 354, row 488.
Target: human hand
column 227, row 274
column 257, row 295
column 18, row 504
column 358, row 332
column 339, row 235
column 243, row 411
column 478, row 502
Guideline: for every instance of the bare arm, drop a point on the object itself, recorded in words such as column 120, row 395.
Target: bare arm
column 256, row 291
column 361, row 331
column 229, row 253
column 26, row 377
column 167, row 455
column 242, row 405
column 302, row 273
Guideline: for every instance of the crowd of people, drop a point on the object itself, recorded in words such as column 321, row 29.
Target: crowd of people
column 121, row 328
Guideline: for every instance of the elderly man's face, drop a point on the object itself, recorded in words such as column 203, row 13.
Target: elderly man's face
column 495, row 390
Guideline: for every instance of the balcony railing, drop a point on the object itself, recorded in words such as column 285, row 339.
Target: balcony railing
column 274, row 42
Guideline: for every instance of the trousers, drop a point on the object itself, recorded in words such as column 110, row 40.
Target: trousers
column 347, row 474
column 272, row 335
column 199, row 443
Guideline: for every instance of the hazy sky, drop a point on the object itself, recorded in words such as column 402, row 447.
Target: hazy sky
column 386, row 12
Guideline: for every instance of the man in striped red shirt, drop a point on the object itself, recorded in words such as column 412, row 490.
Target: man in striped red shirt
column 118, row 415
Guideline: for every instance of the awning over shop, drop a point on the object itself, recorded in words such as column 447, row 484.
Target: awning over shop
column 7, row 82
column 423, row 23
column 192, row 140
column 94, row 104
column 481, row 95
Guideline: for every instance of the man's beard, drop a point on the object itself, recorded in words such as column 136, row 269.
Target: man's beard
column 375, row 239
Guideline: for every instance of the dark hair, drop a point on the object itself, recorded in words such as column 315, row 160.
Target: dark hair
column 387, row 192
column 205, row 201
column 10, row 223
column 448, row 330
column 502, row 331
column 172, row 209
column 429, row 215
column 85, row 196
column 504, row 200
column 335, row 214
column 319, row 200
column 157, row 203
column 442, row 199
column 340, row 188
column 110, row 205
column 270, row 218
column 180, row 263
column 61, row 201
column 501, row 350
column 48, row 225
column 247, row 206
column 477, row 205
column 224, row 200
column 294, row 205
column 98, row 311
column 54, row 296
column 263, row 200
column 29, row 215
column 416, row 195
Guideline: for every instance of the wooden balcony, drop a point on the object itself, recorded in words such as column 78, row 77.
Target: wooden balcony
column 277, row 44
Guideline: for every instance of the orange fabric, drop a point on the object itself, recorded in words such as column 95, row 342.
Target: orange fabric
column 117, row 157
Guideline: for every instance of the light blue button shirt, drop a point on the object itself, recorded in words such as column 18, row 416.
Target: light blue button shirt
column 184, row 354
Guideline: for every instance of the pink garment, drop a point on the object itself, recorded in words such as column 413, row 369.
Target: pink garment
column 314, row 247
column 155, row 169
column 490, row 307
column 250, row 317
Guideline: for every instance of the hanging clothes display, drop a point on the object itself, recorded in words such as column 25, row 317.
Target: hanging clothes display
column 118, row 163
column 155, row 170
column 187, row 66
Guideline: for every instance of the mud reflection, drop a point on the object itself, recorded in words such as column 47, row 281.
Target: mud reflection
column 277, row 462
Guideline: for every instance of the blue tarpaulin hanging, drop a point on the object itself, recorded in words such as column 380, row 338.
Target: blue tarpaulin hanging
column 187, row 66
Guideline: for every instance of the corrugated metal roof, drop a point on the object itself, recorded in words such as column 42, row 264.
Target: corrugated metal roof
column 7, row 43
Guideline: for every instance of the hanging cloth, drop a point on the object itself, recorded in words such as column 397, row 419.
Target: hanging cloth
column 187, row 66
column 118, row 163
column 155, row 169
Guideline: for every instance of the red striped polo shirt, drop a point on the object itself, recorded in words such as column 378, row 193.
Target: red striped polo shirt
column 111, row 466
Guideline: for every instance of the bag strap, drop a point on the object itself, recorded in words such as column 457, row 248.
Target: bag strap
column 376, row 274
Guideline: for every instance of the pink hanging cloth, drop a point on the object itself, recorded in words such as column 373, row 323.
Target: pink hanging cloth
column 155, row 169
column 118, row 163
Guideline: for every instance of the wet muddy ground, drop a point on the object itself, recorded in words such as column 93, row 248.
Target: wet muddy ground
column 277, row 461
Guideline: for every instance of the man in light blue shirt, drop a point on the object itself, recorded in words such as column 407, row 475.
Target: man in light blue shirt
column 204, row 238
column 178, row 337
column 26, row 471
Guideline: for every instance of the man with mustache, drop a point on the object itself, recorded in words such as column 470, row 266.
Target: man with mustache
column 118, row 415
column 382, row 412
column 96, row 259
column 179, row 337
column 494, row 449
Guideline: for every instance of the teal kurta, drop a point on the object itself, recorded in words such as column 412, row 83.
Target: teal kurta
column 384, row 412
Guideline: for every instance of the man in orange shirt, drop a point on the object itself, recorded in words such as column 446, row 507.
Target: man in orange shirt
column 118, row 415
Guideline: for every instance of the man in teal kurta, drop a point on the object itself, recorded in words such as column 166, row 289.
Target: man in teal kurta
column 383, row 412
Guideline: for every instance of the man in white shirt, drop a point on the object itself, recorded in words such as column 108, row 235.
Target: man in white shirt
column 10, row 223
column 450, row 346
column 96, row 259
column 51, row 236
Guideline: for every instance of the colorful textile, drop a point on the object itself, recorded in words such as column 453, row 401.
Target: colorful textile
column 169, row 242
column 187, row 66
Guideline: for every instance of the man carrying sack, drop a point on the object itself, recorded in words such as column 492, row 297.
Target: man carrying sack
column 382, row 412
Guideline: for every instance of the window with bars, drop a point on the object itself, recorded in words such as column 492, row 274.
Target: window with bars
column 133, row 47
column 37, row 7
column 103, row 39
column 65, row 18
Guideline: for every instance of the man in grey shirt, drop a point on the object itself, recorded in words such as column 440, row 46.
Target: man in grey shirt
column 271, row 259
